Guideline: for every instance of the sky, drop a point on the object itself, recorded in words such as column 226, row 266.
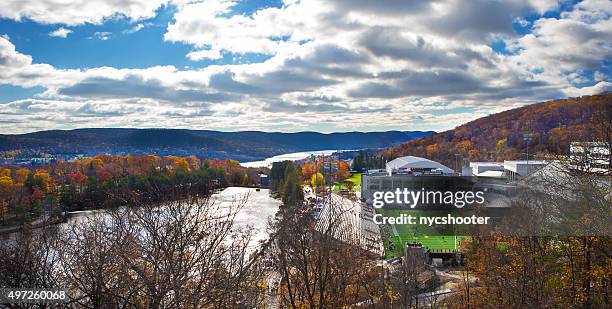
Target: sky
column 288, row 66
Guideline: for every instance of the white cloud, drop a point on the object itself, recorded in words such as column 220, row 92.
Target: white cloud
column 134, row 29
column 328, row 64
column 102, row 35
column 77, row 12
column 202, row 54
column 17, row 69
column 599, row 76
column 60, row 32
column 206, row 24
column 562, row 47
column 523, row 22
column 596, row 89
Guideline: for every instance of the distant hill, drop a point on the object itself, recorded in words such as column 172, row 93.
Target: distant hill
column 243, row 146
column 554, row 125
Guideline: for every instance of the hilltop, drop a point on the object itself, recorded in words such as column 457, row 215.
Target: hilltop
column 554, row 125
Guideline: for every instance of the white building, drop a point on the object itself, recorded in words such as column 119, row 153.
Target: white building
column 509, row 170
column 487, row 169
column 520, row 168
column 417, row 165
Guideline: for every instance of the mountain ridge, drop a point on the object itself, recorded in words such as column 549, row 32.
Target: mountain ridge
column 240, row 145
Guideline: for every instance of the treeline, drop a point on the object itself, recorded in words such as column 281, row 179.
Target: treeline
column 286, row 180
column 553, row 125
column 287, row 177
column 367, row 160
column 330, row 170
column 108, row 181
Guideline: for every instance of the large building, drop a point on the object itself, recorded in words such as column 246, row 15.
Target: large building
column 413, row 173
column 509, row 170
column 417, row 165
column 522, row 168
column 487, row 169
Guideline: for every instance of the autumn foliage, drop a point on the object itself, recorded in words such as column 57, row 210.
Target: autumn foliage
column 104, row 181
column 554, row 125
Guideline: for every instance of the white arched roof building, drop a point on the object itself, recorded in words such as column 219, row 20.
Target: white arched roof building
column 411, row 163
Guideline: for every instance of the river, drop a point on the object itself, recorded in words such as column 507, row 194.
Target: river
column 255, row 213
column 259, row 207
column 287, row 157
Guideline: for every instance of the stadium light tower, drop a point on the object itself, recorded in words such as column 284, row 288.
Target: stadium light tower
column 527, row 137
column 457, row 155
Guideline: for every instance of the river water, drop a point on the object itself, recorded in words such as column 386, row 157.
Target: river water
column 287, row 157
column 254, row 214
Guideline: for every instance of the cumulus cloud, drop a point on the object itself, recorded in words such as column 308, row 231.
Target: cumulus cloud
column 560, row 48
column 135, row 86
column 77, row 12
column 17, row 69
column 595, row 89
column 60, row 32
column 409, row 64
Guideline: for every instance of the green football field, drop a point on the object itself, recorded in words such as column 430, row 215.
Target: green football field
column 355, row 178
column 432, row 238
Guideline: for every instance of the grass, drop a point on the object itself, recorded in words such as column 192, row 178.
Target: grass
column 355, row 179
column 432, row 238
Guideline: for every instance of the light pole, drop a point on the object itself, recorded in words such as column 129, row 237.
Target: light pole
column 527, row 137
column 457, row 162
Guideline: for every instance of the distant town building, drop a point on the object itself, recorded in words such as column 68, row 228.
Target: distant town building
column 509, row 170
column 76, row 157
column 264, row 180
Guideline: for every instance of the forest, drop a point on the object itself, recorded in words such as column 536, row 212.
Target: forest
column 109, row 181
column 553, row 125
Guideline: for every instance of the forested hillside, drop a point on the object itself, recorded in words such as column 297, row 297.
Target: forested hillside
column 242, row 146
column 554, row 125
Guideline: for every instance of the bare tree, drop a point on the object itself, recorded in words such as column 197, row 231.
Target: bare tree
column 28, row 259
column 183, row 253
column 322, row 263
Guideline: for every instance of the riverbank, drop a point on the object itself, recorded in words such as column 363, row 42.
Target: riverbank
column 259, row 206
column 36, row 224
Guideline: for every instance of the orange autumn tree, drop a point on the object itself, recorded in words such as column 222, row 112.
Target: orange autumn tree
column 342, row 172
column 6, row 189
column 308, row 169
